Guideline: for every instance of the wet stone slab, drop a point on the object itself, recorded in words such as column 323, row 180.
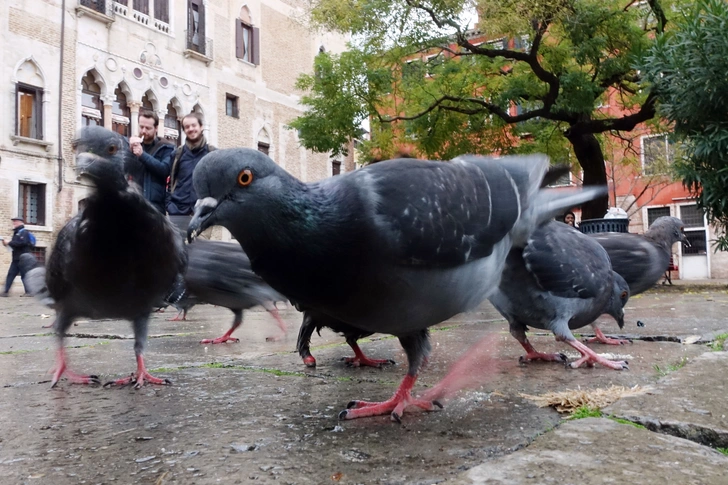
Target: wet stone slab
column 691, row 403
column 598, row 450
column 251, row 412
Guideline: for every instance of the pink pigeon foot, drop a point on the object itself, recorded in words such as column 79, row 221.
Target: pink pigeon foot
column 590, row 358
column 601, row 338
column 139, row 378
column 361, row 360
column 61, row 369
column 396, row 405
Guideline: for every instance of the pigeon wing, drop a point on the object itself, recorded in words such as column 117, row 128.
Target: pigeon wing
column 566, row 262
column 442, row 213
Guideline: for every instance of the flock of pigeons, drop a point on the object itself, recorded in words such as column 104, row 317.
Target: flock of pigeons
column 395, row 247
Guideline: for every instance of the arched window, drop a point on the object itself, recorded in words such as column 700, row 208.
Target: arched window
column 247, row 38
column 149, row 101
column 172, row 126
column 120, row 113
column 29, row 101
column 92, row 108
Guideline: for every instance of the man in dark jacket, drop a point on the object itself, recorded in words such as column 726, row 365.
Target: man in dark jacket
column 20, row 243
column 155, row 156
column 182, row 197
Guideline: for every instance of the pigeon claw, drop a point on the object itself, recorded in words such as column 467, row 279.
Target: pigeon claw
column 220, row 340
column 310, row 361
column 364, row 361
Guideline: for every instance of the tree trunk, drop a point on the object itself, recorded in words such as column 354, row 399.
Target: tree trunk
column 589, row 154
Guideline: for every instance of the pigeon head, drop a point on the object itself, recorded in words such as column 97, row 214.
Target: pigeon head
column 668, row 230
column 100, row 157
column 620, row 296
column 234, row 180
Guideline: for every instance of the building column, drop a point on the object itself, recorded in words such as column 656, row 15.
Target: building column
column 134, row 108
column 108, row 105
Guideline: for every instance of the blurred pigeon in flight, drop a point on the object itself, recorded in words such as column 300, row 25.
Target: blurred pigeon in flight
column 219, row 273
column 559, row 281
column 115, row 259
column 395, row 247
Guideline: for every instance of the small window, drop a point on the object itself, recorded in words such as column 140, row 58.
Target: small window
column 246, row 42
column 654, row 213
column 692, row 216
column 657, row 154
column 263, row 147
column 92, row 108
column 231, row 105
column 335, row 167
column 120, row 113
column 29, row 115
column 141, row 6
column 161, row 10
column 31, row 203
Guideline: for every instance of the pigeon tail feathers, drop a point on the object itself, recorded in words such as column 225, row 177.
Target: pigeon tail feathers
column 547, row 204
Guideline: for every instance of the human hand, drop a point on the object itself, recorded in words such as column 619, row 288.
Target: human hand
column 136, row 149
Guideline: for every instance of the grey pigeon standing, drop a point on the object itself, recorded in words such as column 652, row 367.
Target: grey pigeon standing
column 219, row 273
column 115, row 259
column 559, row 281
column 35, row 278
column 643, row 259
column 640, row 259
column 395, row 247
column 315, row 321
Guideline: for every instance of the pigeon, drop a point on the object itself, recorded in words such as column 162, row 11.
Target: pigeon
column 315, row 321
column 559, row 281
column 394, row 247
column 35, row 276
column 115, row 259
column 643, row 259
column 219, row 273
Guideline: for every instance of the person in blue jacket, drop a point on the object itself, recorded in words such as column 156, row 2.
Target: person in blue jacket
column 20, row 243
column 155, row 157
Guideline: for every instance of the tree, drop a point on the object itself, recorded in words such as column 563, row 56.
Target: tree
column 688, row 67
column 540, row 82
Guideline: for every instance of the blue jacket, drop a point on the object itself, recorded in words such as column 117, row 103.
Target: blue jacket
column 156, row 162
column 20, row 243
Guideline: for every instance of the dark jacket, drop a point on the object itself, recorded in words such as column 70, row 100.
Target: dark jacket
column 20, row 243
column 182, row 196
column 155, row 161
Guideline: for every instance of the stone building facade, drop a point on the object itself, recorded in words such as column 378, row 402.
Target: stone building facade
column 71, row 63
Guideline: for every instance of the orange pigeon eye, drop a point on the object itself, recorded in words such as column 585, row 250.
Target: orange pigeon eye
column 623, row 295
column 245, row 177
column 112, row 149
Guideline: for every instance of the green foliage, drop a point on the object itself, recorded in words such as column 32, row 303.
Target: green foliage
column 627, row 421
column 688, row 68
column 586, row 412
column 723, row 450
column 718, row 343
column 555, row 59
column 663, row 371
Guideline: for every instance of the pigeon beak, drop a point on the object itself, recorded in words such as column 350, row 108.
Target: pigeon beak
column 84, row 162
column 201, row 220
column 620, row 321
column 685, row 241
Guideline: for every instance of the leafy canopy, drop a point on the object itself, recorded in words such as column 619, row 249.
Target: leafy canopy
column 688, row 67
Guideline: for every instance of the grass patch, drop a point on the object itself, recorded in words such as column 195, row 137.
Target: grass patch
column 718, row 343
column 723, row 450
column 15, row 352
column 586, row 412
column 626, row 421
column 663, row 371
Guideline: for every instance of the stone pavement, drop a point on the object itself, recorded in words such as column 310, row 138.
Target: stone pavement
column 252, row 413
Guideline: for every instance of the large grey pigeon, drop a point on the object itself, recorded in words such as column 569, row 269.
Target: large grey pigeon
column 219, row 273
column 395, row 247
column 315, row 321
column 559, row 281
column 643, row 259
column 115, row 259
